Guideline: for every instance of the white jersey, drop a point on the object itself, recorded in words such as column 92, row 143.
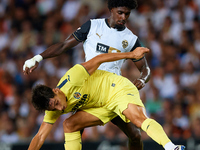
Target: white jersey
column 103, row 39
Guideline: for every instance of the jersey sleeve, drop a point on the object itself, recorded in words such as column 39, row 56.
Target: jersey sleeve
column 81, row 33
column 137, row 44
column 76, row 76
column 51, row 116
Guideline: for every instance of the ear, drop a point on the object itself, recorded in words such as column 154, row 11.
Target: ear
column 111, row 10
column 55, row 90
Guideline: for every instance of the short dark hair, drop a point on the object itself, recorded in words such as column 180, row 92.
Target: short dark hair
column 132, row 4
column 41, row 95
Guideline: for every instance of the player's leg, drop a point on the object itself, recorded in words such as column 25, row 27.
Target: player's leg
column 131, row 131
column 74, row 124
column 137, row 115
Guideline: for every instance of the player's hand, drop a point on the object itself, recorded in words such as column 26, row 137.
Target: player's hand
column 31, row 64
column 139, row 52
column 139, row 83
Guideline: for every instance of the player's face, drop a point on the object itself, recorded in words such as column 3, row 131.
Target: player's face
column 58, row 102
column 119, row 16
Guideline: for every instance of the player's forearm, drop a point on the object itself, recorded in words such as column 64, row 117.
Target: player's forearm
column 95, row 62
column 108, row 57
column 54, row 50
column 59, row 48
column 144, row 69
column 111, row 57
column 145, row 74
column 40, row 137
column 36, row 143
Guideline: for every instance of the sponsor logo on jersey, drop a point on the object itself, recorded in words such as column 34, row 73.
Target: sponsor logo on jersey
column 124, row 43
column 99, row 35
column 106, row 49
column 113, row 50
column 77, row 95
column 130, row 94
column 84, row 99
column 102, row 48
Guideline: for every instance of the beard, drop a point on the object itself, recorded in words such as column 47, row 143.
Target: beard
column 119, row 27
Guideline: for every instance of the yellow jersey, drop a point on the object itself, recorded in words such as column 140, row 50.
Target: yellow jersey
column 84, row 91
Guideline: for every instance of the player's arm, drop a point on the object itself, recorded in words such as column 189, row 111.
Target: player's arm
column 78, row 36
column 145, row 73
column 95, row 62
column 40, row 137
column 59, row 48
column 52, row 51
column 143, row 67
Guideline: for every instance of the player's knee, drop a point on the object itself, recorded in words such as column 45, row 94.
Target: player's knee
column 138, row 122
column 68, row 126
column 139, row 119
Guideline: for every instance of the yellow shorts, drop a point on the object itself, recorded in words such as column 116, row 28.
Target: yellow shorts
column 118, row 101
column 102, row 113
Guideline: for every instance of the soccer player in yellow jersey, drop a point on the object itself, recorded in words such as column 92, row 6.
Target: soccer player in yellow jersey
column 82, row 90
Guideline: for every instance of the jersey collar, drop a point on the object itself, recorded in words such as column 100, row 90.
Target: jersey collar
column 120, row 29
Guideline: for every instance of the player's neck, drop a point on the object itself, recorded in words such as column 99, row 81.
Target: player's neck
column 111, row 24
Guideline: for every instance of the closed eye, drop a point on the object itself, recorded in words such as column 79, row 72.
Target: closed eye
column 56, row 103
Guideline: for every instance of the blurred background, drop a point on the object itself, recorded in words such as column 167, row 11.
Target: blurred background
column 170, row 28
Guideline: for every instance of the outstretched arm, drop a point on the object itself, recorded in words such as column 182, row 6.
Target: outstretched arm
column 40, row 137
column 95, row 62
column 53, row 51
column 59, row 48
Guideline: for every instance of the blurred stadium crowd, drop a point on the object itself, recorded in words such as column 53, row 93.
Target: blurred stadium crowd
column 170, row 28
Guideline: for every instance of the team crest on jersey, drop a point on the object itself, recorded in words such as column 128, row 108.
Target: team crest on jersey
column 77, row 95
column 124, row 43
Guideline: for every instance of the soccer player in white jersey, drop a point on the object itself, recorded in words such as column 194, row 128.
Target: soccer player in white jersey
column 120, row 98
column 105, row 36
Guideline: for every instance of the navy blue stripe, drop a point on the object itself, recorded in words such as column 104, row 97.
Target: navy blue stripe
column 135, row 60
column 49, row 123
column 62, row 84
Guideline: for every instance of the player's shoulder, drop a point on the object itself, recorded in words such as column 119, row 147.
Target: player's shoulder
column 97, row 24
column 97, row 21
column 130, row 35
column 129, row 32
